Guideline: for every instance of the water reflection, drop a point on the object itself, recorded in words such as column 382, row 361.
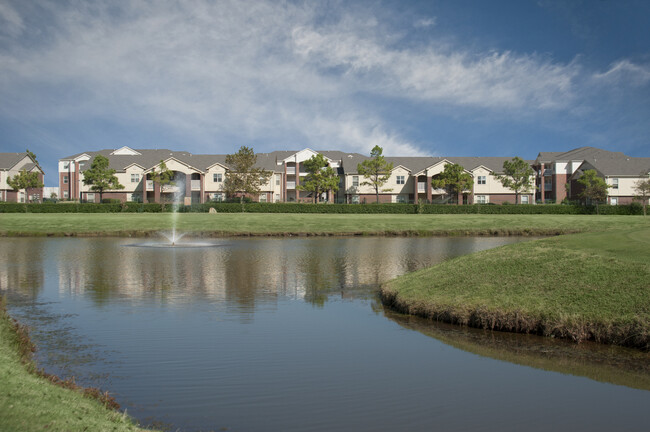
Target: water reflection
column 603, row 363
column 288, row 334
column 245, row 272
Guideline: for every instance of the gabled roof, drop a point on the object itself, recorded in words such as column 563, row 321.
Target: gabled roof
column 9, row 160
column 577, row 154
column 618, row 166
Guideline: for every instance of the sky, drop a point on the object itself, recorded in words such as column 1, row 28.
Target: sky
column 429, row 78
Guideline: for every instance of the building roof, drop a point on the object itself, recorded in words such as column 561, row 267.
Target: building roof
column 9, row 160
column 619, row 166
column 577, row 154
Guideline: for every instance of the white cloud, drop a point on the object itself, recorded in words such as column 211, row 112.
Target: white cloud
column 10, row 21
column 627, row 72
column 257, row 69
column 424, row 22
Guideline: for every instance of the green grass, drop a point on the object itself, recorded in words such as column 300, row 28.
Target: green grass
column 279, row 224
column 29, row 402
column 590, row 286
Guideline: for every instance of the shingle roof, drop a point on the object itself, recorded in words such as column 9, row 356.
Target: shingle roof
column 580, row 153
column 621, row 166
column 9, row 160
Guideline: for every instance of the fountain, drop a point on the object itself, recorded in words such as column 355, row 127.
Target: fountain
column 173, row 237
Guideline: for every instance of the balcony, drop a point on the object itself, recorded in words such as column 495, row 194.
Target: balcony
column 291, row 185
column 422, row 187
column 291, row 170
column 196, row 185
column 149, row 185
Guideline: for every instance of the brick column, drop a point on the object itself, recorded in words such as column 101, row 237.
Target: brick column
column 429, row 188
column 202, row 191
column 144, row 188
column 541, row 184
column 415, row 189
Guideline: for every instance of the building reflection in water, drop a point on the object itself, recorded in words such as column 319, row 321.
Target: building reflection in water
column 241, row 272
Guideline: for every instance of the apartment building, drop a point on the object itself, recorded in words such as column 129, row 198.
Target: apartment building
column 557, row 173
column 10, row 165
column 199, row 178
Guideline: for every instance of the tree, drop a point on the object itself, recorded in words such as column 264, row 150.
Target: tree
column 164, row 177
column 31, row 155
column 321, row 177
column 101, row 177
column 454, row 179
column 516, row 176
column 642, row 189
column 594, row 188
column 25, row 180
column 376, row 170
column 243, row 176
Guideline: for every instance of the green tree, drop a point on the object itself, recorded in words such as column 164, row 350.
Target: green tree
column 25, row 180
column 376, row 170
column 163, row 176
column 594, row 188
column 454, row 179
column 517, row 175
column 101, row 177
column 321, row 177
column 31, row 155
column 642, row 189
column 243, row 176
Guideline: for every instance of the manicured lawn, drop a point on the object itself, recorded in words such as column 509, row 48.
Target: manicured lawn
column 229, row 223
column 31, row 403
column 585, row 286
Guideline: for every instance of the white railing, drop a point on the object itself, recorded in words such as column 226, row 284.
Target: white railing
column 291, row 170
column 422, row 187
column 291, row 185
column 171, row 189
column 149, row 185
column 196, row 184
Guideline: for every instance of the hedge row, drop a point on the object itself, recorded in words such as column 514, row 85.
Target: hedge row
column 633, row 209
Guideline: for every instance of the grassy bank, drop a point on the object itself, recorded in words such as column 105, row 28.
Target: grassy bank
column 590, row 286
column 30, row 401
column 143, row 224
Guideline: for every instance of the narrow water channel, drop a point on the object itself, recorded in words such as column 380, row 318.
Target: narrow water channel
column 288, row 335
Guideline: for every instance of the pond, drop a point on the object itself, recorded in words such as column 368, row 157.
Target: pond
column 288, row 334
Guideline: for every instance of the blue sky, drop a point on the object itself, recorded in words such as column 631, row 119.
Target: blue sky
column 441, row 78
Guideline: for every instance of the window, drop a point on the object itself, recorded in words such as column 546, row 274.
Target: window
column 135, row 178
column 217, row 197
column 355, row 199
column 263, row 197
column 401, row 198
column 65, row 179
column 217, row 178
column 524, row 199
column 480, row 199
column 400, row 179
column 277, row 179
column 614, row 201
column 355, row 181
column 614, row 184
column 135, row 198
column 65, row 195
column 277, row 197
column 90, row 197
column 481, row 180
column 548, row 183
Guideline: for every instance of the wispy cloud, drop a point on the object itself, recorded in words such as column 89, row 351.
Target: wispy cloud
column 625, row 71
column 291, row 74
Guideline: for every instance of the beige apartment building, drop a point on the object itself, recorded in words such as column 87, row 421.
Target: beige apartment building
column 10, row 165
column 198, row 178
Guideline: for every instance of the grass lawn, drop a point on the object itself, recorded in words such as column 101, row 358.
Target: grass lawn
column 278, row 224
column 589, row 286
column 31, row 403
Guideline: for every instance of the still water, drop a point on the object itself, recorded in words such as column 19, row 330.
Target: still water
column 289, row 335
